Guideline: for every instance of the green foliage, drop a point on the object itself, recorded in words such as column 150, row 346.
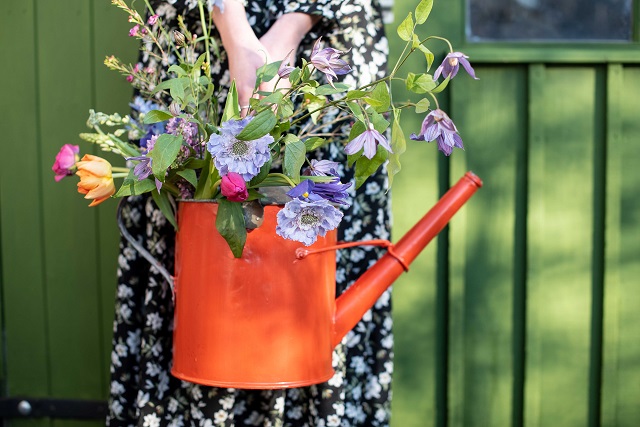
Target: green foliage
column 164, row 153
column 300, row 119
column 230, row 225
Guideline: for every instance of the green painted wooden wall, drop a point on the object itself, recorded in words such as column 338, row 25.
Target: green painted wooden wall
column 526, row 312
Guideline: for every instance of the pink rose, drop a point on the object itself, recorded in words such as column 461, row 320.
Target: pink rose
column 234, row 188
column 65, row 161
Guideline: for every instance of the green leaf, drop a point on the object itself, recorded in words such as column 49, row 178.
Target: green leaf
column 164, row 153
column 441, row 86
column 199, row 62
column 379, row 98
column 274, row 98
column 295, row 76
column 131, row 186
column 172, row 84
column 177, row 69
column 330, row 90
column 366, row 167
column 162, row 201
column 231, row 107
column 427, row 53
column 398, row 146
column 230, row 225
column 355, row 94
column 189, row 175
column 285, row 109
column 267, row 72
column 155, row 116
column 379, row 122
column 405, row 29
column 422, row 105
column 259, row 126
column 356, row 110
column 204, row 180
column 314, row 143
column 423, row 10
column 294, row 156
column 420, row 83
column 262, row 174
column 313, row 103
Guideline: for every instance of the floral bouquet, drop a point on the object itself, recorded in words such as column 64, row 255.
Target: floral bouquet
column 192, row 147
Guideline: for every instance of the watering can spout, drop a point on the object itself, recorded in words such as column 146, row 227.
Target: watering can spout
column 362, row 295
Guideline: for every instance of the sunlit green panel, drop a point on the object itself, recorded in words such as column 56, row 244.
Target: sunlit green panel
column 491, row 116
column 621, row 373
column 564, row 128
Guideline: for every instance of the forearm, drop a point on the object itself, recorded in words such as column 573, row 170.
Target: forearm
column 287, row 32
column 233, row 26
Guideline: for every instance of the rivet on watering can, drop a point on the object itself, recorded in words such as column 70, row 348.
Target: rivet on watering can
column 24, row 407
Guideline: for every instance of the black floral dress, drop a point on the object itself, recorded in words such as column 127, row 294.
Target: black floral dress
column 143, row 393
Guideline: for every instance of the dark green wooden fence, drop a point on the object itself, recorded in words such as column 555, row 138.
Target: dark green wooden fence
column 525, row 313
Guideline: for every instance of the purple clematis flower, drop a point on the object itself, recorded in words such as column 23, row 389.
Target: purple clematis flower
column 368, row 139
column 328, row 61
column 439, row 127
column 333, row 191
column 322, row 168
column 304, row 221
column 451, row 65
column 285, row 66
column 143, row 169
column 234, row 155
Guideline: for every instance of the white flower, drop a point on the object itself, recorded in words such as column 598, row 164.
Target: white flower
column 220, row 416
column 151, row 420
column 154, row 321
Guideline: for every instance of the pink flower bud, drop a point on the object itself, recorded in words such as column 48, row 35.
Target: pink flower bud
column 152, row 19
column 134, row 31
column 234, row 188
column 130, row 79
column 65, row 161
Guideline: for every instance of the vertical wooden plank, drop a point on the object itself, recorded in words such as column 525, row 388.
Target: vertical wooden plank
column 69, row 239
column 563, row 127
column 621, row 376
column 112, row 93
column 483, row 243
column 414, row 293
column 414, row 304
column 24, row 295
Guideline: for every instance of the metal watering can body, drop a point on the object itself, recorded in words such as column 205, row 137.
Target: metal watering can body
column 270, row 319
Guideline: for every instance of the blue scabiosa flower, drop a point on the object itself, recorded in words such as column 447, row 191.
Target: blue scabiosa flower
column 451, row 65
column 305, row 221
column 333, row 191
column 328, row 61
column 233, row 155
column 368, row 139
column 439, row 127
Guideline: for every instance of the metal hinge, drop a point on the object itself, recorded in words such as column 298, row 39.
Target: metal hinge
column 28, row 407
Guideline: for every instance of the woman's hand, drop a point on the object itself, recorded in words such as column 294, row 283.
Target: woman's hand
column 245, row 53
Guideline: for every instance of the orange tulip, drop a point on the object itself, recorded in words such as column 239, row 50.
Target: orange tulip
column 96, row 182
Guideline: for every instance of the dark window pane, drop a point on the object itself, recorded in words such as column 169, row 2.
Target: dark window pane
column 582, row 20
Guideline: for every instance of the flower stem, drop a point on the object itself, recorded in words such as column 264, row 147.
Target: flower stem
column 120, row 169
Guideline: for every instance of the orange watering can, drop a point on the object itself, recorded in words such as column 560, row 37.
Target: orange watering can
column 270, row 319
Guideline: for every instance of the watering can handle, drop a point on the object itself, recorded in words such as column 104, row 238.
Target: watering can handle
column 142, row 251
column 302, row 253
